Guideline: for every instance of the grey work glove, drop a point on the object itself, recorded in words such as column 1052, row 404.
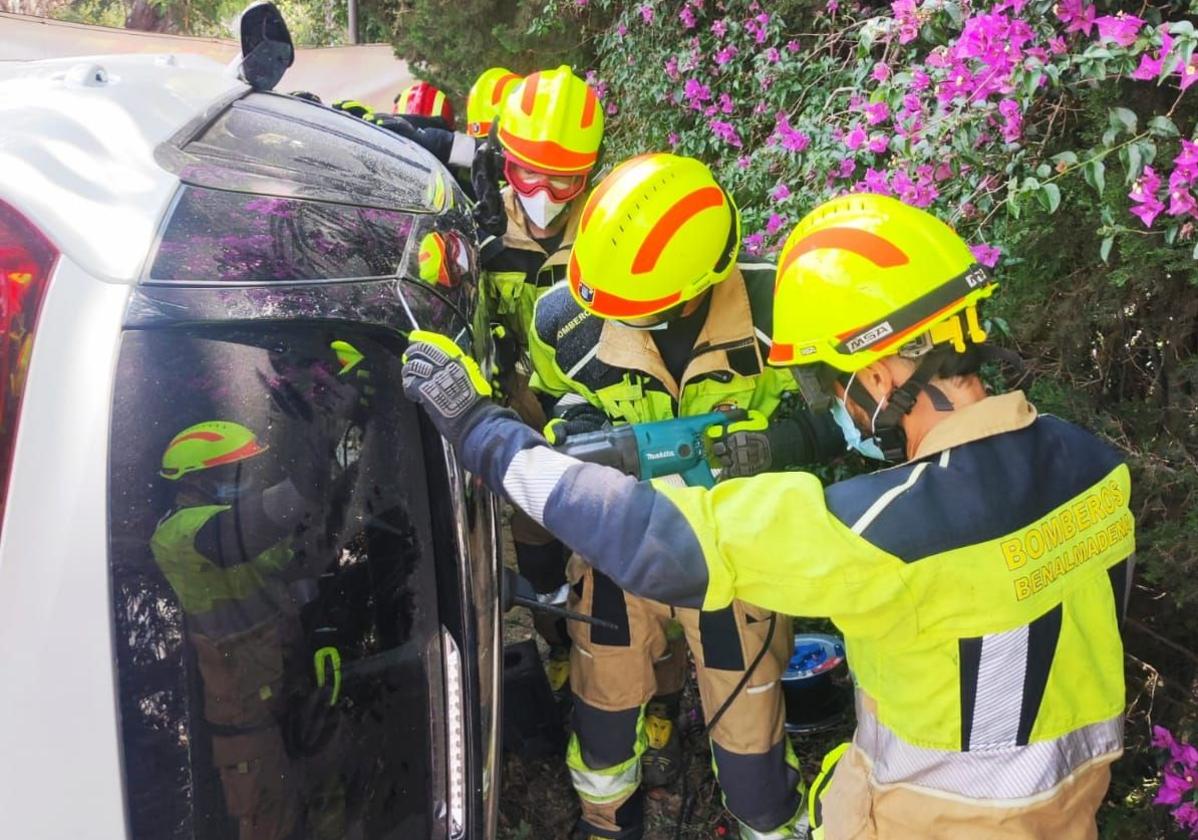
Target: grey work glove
column 447, row 382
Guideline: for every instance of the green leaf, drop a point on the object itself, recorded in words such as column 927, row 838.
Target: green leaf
column 1124, row 118
column 1104, row 250
column 1094, row 171
column 1050, row 197
column 1129, row 156
column 1171, row 234
column 1030, row 184
column 1067, row 158
column 1195, row 253
column 1162, row 126
column 1043, row 170
column 1109, row 137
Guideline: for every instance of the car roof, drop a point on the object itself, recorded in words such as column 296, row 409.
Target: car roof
column 77, row 141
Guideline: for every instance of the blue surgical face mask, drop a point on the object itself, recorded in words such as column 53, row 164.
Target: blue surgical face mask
column 852, row 435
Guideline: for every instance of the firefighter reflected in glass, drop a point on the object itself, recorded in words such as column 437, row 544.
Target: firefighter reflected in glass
column 247, row 555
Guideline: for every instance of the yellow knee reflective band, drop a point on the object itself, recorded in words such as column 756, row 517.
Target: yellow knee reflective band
column 612, row 783
column 817, row 788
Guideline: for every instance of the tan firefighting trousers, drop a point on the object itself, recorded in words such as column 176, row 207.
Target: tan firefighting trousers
column 612, row 678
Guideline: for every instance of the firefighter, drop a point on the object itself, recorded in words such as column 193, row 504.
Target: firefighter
column 979, row 582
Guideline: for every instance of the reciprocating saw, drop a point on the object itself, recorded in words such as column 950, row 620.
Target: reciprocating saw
column 652, row 450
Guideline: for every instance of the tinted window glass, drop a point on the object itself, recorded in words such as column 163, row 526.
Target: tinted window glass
column 220, row 236
column 274, row 600
column 284, row 146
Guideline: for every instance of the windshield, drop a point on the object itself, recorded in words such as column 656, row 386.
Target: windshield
column 283, row 146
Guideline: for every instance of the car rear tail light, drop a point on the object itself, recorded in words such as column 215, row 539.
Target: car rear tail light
column 26, row 260
column 456, row 726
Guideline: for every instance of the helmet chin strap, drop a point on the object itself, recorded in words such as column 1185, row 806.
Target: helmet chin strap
column 887, row 417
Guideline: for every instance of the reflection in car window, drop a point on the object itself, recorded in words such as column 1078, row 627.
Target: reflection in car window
column 274, row 600
column 280, row 145
column 220, row 236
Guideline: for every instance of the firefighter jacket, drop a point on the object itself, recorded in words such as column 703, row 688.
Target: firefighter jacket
column 619, row 369
column 517, row 270
column 979, row 587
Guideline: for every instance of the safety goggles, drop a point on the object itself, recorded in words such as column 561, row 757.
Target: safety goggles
column 529, row 182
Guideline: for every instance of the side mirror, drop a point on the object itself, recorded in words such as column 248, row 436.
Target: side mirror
column 266, row 47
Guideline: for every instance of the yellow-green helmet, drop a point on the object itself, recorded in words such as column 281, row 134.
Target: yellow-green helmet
column 552, row 122
column 864, row 275
column 655, row 233
column 486, row 99
column 208, row 444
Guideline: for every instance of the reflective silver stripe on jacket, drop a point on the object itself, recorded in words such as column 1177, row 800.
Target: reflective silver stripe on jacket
column 1007, row 772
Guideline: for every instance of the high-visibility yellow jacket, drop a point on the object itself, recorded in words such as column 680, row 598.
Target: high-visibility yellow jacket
column 619, row 369
column 979, row 588
column 517, row 269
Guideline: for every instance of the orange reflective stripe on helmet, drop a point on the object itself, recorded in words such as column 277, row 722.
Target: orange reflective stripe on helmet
column 668, row 225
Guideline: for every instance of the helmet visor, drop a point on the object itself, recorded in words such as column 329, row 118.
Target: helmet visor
column 528, row 182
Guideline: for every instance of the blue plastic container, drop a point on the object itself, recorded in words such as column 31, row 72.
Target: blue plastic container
column 814, row 701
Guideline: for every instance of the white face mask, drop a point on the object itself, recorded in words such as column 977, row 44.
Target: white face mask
column 540, row 208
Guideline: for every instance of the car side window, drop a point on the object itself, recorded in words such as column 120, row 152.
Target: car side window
column 274, row 599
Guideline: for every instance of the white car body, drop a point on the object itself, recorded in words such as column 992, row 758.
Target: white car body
column 78, row 141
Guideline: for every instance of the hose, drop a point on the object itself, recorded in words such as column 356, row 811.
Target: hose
column 688, row 796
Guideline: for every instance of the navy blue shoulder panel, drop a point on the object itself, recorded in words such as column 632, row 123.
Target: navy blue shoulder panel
column 989, row 488
column 573, row 333
column 759, row 283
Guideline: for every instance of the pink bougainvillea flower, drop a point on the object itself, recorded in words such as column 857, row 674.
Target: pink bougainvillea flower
column 877, row 112
column 1181, row 203
column 847, row 167
column 1173, row 788
column 831, row 6
column 1121, row 28
column 754, row 241
column 780, row 192
column 920, row 80
column 671, row 68
column 907, row 18
column 647, row 13
column 793, row 46
column 1186, row 816
column 911, row 104
column 772, row 55
column 987, row 255
column 881, row 71
column 875, row 181
column 791, row 139
column 1186, row 162
column 1057, row 46
column 758, row 27
column 696, row 93
column 878, row 143
column 621, row 30
column 774, row 224
column 743, row 162
column 1189, row 73
column 1077, row 15
column 1162, row 738
column 1148, row 69
column 856, row 138
column 720, row 28
column 727, row 105
column 725, row 55
column 726, row 132
column 673, row 138
column 687, row 16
